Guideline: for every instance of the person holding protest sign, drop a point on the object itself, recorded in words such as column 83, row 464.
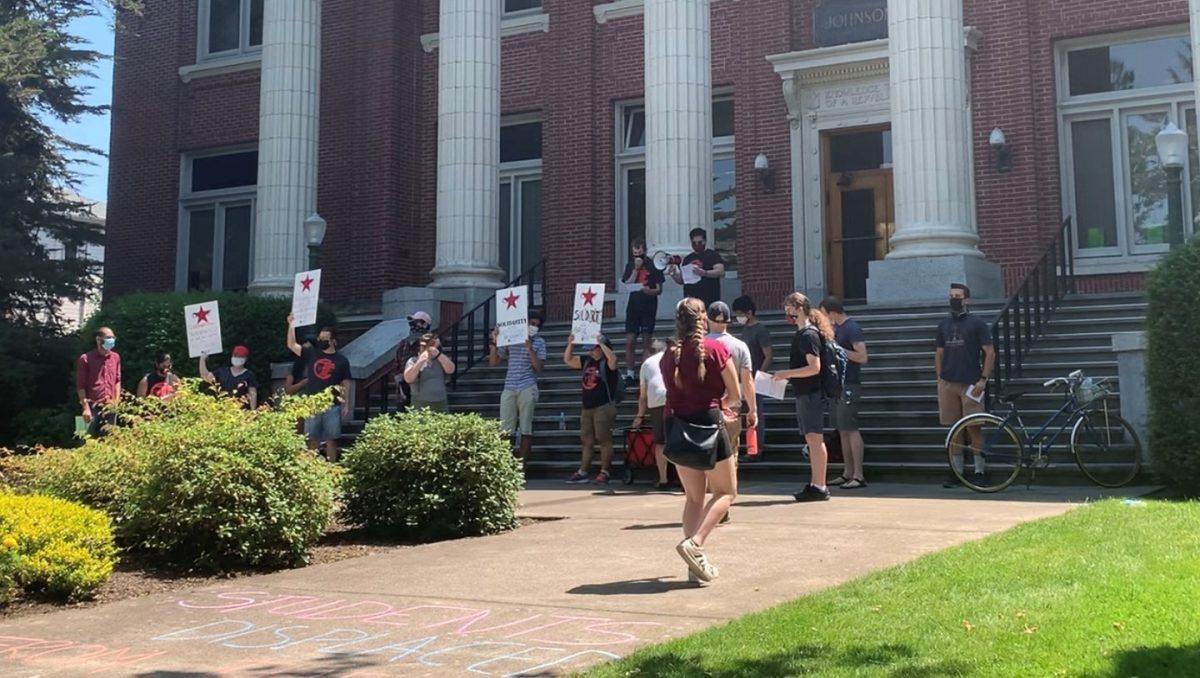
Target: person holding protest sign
column 235, row 380
column 327, row 369
column 519, row 398
column 599, row 375
column 705, row 265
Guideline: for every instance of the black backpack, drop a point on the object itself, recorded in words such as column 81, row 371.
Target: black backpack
column 833, row 367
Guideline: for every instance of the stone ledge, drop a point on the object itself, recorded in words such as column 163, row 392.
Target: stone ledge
column 223, row 66
column 512, row 25
column 618, row 9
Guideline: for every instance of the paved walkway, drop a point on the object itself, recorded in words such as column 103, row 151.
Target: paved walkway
column 551, row 597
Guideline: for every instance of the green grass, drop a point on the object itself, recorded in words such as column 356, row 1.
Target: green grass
column 1106, row 590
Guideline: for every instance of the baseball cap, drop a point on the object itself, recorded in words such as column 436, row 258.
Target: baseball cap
column 719, row 311
column 423, row 316
column 240, row 352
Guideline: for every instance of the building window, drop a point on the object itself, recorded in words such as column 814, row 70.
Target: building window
column 631, row 180
column 1115, row 94
column 520, row 195
column 216, row 230
column 230, row 27
column 522, row 6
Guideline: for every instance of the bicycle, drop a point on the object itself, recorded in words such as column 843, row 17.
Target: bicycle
column 1105, row 446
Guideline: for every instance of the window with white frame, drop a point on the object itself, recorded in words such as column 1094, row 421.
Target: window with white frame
column 216, row 226
column 631, row 179
column 522, row 6
column 1115, row 94
column 229, row 28
column 520, row 194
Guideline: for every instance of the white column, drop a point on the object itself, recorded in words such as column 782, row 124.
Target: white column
column 930, row 130
column 289, row 106
column 678, row 123
column 1194, row 14
column 468, row 239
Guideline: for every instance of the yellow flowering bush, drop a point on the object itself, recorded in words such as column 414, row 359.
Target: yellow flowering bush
column 53, row 547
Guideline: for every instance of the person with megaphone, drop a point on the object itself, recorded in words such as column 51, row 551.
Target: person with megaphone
column 645, row 284
column 703, row 281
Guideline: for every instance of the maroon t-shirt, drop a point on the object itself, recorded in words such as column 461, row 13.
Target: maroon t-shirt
column 692, row 396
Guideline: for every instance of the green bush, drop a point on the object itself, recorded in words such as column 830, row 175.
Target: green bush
column 1173, row 367
column 198, row 483
column 427, row 476
column 61, row 549
column 146, row 323
column 38, row 382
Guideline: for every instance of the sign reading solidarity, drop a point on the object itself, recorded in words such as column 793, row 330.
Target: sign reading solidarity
column 512, row 315
column 304, row 297
column 203, row 322
column 588, row 313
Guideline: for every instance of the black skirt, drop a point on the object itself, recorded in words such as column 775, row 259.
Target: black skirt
column 708, row 418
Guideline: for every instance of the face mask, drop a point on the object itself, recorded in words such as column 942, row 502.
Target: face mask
column 237, row 362
column 698, row 247
column 793, row 320
column 417, row 326
column 322, row 344
column 741, row 320
column 108, row 343
column 164, row 369
column 956, row 305
column 533, row 330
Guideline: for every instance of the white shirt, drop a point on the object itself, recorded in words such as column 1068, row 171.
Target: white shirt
column 652, row 378
column 739, row 352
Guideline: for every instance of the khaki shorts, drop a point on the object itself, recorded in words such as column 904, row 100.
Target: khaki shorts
column 953, row 403
column 734, row 430
column 516, row 410
column 597, row 423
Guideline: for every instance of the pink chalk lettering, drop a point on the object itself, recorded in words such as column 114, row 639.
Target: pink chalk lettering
column 406, row 614
column 11, row 646
column 373, row 608
column 246, row 597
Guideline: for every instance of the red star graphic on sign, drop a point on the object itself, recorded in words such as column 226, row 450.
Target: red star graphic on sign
column 588, row 297
column 306, row 284
column 511, row 300
column 201, row 315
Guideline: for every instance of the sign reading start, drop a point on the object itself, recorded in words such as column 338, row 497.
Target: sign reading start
column 837, row 22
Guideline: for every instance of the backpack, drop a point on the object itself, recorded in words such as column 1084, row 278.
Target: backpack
column 833, row 367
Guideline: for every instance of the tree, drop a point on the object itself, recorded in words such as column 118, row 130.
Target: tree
column 40, row 69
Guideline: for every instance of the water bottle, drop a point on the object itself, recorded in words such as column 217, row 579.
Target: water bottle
column 562, row 421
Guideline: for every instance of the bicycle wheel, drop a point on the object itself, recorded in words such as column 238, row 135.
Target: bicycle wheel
column 1106, row 448
column 989, row 438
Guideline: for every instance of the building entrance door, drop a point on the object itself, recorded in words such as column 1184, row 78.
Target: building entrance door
column 859, row 209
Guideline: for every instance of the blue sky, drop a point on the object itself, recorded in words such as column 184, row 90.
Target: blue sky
column 96, row 33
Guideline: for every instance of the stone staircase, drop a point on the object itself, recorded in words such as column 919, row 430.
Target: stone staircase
column 899, row 415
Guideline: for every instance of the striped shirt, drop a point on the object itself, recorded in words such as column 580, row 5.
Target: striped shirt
column 520, row 374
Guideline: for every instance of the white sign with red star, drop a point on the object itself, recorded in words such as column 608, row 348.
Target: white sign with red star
column 203, row 322
column 304, row 297
column 588, row 314
column 512, row 315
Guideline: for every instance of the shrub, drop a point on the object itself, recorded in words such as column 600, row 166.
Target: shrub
column 1173, row 367
column 426, row 476
column 38, row 364
column 96, row 475
column 145, row 323
column 61, row 549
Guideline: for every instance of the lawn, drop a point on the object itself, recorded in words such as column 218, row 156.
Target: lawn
column 1111, row 589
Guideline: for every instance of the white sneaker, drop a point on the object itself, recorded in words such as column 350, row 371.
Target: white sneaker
column 696, row 561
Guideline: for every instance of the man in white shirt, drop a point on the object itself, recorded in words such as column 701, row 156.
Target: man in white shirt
column 652, row 400
column 719, row 317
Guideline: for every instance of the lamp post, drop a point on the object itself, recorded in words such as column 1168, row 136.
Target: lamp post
column 1172, row 144
column 314, row 235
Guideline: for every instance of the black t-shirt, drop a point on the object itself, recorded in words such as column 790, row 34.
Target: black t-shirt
column 707, row 290
column 962, row 339
column 806, row 342
column 648, row 276
column 298, row 369
column 846, row 335
column 596, row 381
column 236, row 385
column 159, row 385
column 325, row 370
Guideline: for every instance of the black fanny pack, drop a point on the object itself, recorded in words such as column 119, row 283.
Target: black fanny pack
column 693, row 445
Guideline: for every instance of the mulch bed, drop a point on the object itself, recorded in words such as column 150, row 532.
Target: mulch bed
column 134, row 580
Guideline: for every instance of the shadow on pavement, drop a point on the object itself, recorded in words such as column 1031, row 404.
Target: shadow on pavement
column 654, row 526
column 633, row 587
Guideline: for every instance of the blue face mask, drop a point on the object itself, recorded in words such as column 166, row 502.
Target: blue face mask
column 109, row 343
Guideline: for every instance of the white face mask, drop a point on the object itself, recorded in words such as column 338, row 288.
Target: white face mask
column 237, row 362
column 533, row 330
column 741, row 320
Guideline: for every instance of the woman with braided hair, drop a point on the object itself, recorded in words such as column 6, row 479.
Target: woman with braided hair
column 812, row 330
column 701, row 381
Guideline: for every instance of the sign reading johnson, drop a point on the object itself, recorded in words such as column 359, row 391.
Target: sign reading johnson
column 837, row 22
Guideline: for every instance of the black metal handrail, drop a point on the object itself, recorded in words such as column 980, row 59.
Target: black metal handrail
column 1024, row 318
column 468, row 338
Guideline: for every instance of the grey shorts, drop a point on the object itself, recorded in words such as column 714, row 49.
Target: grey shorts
column 325, row 425
column 810, row 413
column 597, row 423
column 843, row 416
column 516, row 410
column 657, row 425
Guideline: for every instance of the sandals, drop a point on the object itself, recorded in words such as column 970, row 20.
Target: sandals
column 854, row 484
column 840, row 480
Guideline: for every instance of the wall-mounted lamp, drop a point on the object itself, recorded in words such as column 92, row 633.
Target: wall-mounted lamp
column 1001, row 153
column 762, row 170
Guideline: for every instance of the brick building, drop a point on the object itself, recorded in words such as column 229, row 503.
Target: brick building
column 235, row 119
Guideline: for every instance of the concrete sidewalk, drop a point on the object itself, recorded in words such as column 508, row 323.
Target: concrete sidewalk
column 593, row 584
